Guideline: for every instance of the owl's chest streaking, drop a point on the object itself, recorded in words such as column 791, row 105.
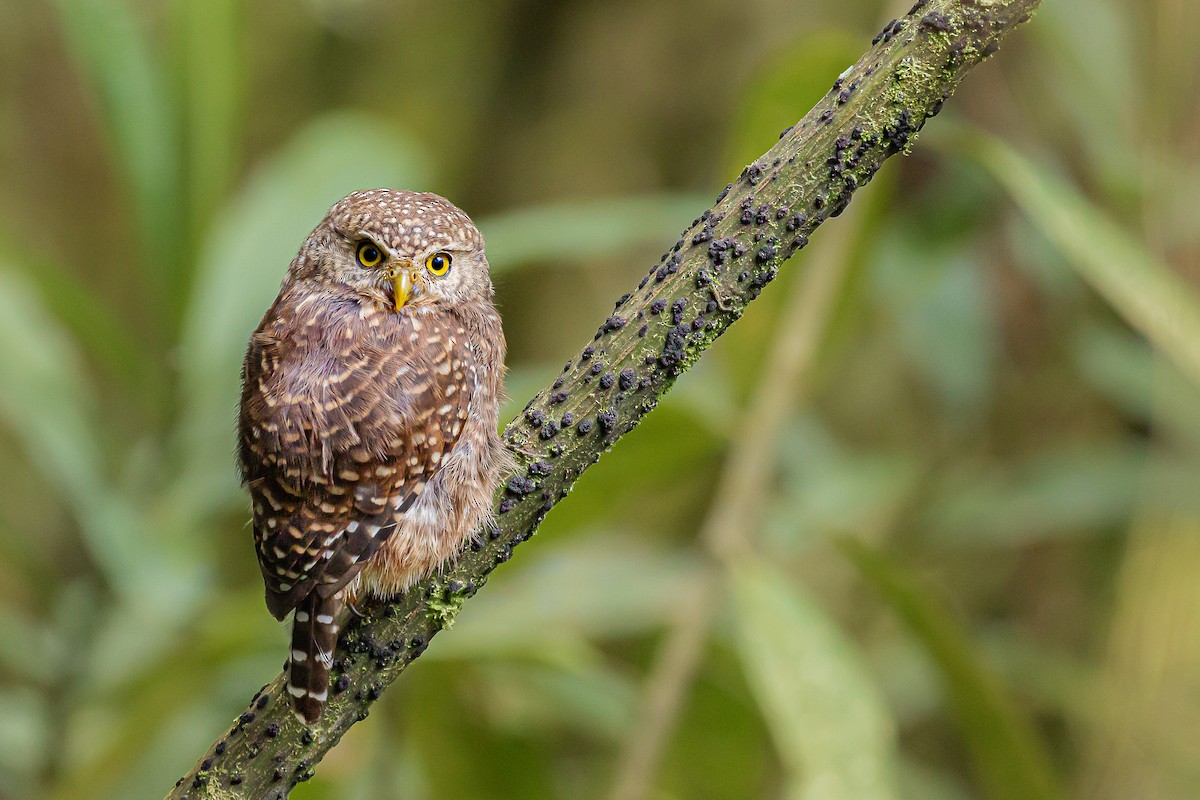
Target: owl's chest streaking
column 366, row 436
column 331, row 382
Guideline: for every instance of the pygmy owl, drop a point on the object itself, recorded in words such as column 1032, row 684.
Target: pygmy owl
column 370, row 394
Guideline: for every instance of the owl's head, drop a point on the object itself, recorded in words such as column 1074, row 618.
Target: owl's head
column 403, row 249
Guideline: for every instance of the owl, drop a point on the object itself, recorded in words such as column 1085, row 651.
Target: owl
column 368, row 421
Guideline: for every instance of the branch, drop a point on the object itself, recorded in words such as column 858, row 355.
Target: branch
column 699, row 288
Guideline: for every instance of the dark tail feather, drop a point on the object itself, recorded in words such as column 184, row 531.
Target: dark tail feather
column 314, row 636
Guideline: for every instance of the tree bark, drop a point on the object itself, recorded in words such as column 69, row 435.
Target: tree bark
column 698, row 289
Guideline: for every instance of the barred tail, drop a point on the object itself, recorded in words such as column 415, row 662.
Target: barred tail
column 314, row 636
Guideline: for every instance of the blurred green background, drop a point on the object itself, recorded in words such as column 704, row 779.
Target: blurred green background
column 924, row 525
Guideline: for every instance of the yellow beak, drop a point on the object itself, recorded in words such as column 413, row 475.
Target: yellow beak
column 402, row 287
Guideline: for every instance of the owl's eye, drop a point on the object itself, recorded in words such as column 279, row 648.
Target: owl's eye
column 438, row 263
column 368, row 254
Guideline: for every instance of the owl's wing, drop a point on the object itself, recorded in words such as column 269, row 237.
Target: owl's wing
column 351, row 450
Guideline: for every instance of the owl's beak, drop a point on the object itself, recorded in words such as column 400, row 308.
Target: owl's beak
column 402, row 285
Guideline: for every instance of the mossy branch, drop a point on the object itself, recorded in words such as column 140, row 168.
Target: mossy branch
column 700, row 287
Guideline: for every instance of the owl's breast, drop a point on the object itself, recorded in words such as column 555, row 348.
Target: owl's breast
column 316, row 386
column 339, row 383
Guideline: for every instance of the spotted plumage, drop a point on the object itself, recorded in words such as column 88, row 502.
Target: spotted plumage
column 368, row 417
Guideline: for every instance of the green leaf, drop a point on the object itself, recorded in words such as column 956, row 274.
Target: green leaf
column 573, row 233
column 137, row 109
column 1008, row 754
column 826, row 488
column 241, row 265
column 830, row 724
column 211, row 69
column 26, row 740
column 525, row 698
column 1152, row 299
column 937, row 292
column 591, row 587
column 47, row 406
column 919, row 782
column 1100, row 99
column 1124, row 367
column 93, row 326
column 43, row 650
column 1059, row 492
column 791, row 79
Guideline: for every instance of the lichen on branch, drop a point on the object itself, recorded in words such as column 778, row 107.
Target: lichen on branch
column 700, row 286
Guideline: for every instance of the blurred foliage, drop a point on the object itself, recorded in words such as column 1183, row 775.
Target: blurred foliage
column 978, row 565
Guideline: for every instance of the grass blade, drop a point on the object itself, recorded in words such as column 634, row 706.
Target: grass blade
column 47, row 405
column 1008, row 753
column 829, row 722
column 99, row 332
column 211, row 67
column 1152, row 299
column 138, row 111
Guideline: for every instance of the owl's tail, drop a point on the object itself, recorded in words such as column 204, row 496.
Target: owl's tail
column 315, row 629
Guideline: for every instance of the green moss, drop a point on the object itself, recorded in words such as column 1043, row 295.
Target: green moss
column 443, row 604
column 910, row 79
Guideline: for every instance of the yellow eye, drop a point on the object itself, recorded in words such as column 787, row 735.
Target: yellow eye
column 368, row 254
column 438, row 264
